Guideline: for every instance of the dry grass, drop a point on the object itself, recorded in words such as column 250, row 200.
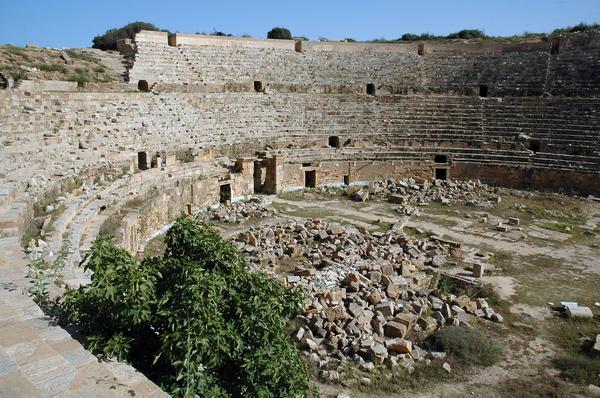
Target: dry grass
column 84, row 66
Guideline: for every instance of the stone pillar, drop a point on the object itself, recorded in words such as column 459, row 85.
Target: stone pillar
column 274, row 175
column 478, row 269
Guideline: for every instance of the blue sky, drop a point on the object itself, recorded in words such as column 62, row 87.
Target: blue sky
column 73, row 23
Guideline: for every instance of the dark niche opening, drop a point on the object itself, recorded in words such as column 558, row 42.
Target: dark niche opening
column 440, row 158
column 143, row 86
column 334, row 141
column 225, row 193
column 483, row 90
column 310, row 179
column 371, row 89
column 441, row 174
column 142, row 161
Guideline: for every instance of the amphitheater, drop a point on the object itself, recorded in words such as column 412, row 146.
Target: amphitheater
column 202, row 120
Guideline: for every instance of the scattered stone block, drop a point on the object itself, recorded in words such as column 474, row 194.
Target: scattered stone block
column 438, row 261
column 394, row 329
column 497, row 317
column 478, row 269
column 406, row 319
column 568, row 304
column 396, row 199
column 387, row 308
column 335, row 313
column 579, row 312
column 593, row 391
column 446, row 366
column 374, row 297
column 305, row 271
column 596, row 347
column 501, row 227
column 399, row 345
column 360, row 196
column 461, row 301
column 337, row 230
column 378, row 354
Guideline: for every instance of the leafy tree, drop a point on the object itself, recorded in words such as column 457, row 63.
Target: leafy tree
column 462, row 34
column 195, row 320
column 108, row 41
column 219, row 33
column 467, row 34
column 279, row 33
column 422, row 36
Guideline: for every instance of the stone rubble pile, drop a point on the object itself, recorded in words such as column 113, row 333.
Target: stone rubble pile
column 410, row 193
column 239, row 211
column 331, row 251
column 371, row 300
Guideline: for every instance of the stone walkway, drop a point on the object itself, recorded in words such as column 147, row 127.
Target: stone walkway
column 40, row 359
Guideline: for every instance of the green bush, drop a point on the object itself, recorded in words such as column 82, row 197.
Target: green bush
column 279, row 33
column 469, row 345
column 108, row 41
column 422, row 36
column 83, row 56
column 81, row 76
column 462, row 34
column 52, row 68
column 451, row 286
column 195, row 320
column 219, row 33
column 579, row 28
column 467, row 34
column 579, row 368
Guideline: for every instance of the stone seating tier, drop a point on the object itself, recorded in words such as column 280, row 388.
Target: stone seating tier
column 572, row 72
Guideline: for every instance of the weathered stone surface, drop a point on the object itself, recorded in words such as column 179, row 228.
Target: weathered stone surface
column 386, row 308
column 406, row 319
column 446, row 366
column 335, row 313
column 438, row 261
column 395, row 329
column 360, row 196
column 378, row 353
column 399, row 345
column 478, row 269
column 375, row 298
column 593, row 390
column 579, row 312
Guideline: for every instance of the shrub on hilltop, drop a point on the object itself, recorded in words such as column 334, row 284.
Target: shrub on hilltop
column 467, row 34
column 279, row 33
column 108, row 41
column 579, row 28
column 196, row 320
column 461, row 34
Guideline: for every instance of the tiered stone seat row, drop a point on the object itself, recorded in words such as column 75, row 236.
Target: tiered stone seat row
column 532, row 73
column 113, row 126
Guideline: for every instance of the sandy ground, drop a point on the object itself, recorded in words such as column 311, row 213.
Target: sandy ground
column 528, row 357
